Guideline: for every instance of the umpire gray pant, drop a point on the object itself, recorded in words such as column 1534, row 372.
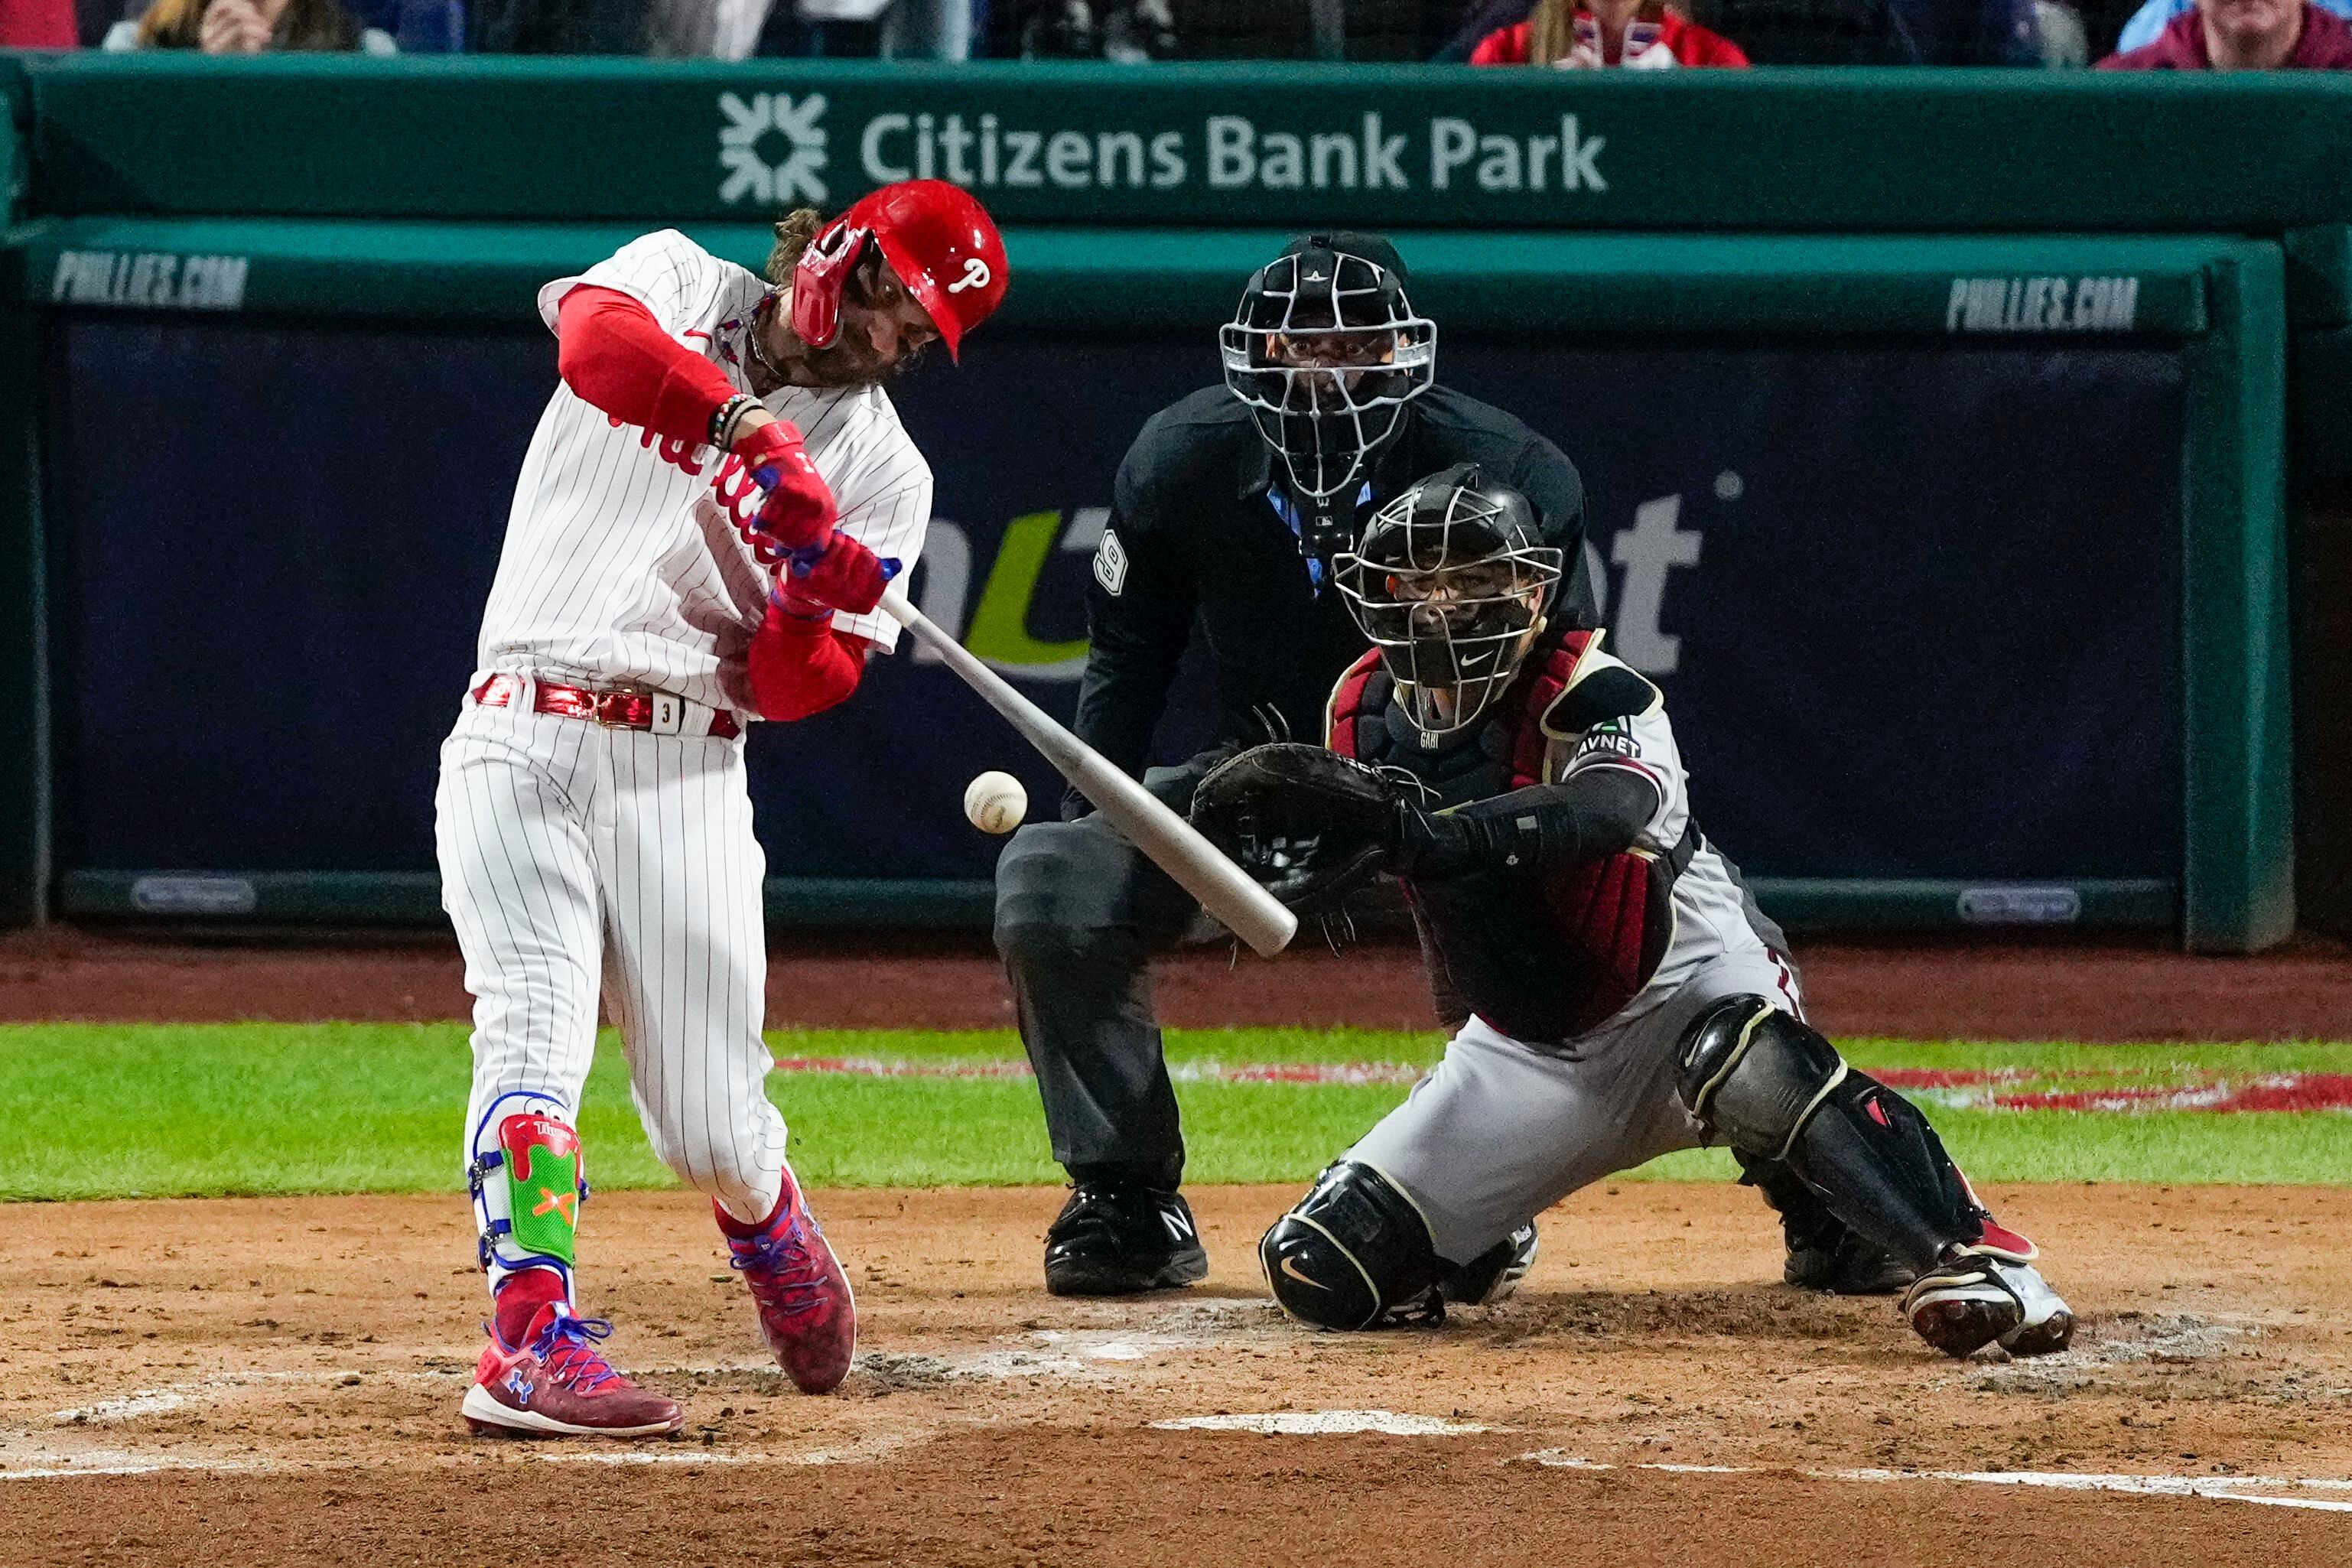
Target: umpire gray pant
column 1079, row 912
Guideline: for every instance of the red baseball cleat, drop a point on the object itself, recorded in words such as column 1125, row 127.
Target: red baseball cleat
column 557, row 1383
column 805, row 1307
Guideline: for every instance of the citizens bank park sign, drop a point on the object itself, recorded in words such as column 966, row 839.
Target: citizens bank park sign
column 782, row 149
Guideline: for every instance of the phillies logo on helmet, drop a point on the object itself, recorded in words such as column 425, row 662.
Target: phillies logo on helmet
column 936, row 236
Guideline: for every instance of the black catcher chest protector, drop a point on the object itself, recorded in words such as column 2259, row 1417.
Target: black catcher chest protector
column 1542, row 956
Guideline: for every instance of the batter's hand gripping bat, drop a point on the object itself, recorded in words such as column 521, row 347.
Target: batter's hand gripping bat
column 1225, row 889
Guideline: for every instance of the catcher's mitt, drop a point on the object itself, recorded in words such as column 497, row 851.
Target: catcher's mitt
column 1308, row 823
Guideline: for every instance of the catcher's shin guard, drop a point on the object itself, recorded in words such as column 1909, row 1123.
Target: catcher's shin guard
column 1354, row 1254
column 1823, row 1252
column 1774, row 1088
column 529, row 1178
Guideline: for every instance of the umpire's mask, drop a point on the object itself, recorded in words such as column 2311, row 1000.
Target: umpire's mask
column 1450, row 584
column 1326, row 351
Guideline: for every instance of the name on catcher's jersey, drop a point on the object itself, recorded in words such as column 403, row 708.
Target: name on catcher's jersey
column 625, row 555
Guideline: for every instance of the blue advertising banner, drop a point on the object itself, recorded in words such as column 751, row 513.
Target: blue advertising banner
column 1915, row 609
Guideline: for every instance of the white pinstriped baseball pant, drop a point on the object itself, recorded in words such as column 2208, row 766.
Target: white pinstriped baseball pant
column 571, row 852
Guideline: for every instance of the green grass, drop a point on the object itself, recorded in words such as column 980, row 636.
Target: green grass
column 93, row 1111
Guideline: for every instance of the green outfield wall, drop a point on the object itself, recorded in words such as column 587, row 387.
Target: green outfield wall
column 1962, row 208
column 1779, row 150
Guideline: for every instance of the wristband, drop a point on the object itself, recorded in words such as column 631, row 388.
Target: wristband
column 727, row 417
column 783, row 603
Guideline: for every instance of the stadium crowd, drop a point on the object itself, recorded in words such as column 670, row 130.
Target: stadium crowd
column 2126, row 35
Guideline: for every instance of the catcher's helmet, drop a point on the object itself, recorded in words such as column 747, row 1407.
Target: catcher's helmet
column 1450, row 583
column 936, row 236
column 1326, row 351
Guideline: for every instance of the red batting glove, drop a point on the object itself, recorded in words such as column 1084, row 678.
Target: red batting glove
column 798, row 509
column 840, row 575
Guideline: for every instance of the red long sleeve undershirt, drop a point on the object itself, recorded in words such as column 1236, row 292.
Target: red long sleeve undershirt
column 612, row 352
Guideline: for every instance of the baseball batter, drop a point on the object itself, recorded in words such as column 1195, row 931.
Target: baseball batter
column 1615, row 993
column 705, row 520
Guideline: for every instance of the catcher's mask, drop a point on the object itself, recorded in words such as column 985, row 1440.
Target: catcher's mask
column 1326, row 352
column 1450, row 584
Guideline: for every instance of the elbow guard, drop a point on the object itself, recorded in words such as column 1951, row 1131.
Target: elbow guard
column 801, row 668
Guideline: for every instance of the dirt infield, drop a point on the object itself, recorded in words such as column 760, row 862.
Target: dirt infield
column 1974, row 991
column 248, row 1383
column 260, row 1383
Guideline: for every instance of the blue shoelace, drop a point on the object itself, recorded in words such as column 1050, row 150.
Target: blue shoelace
column 779, row 1260
column 567, row 1348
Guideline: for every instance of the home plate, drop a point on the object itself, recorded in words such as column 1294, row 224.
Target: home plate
column 1324, row 1423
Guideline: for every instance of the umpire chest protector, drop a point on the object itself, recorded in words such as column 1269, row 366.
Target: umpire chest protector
column 1542, row 956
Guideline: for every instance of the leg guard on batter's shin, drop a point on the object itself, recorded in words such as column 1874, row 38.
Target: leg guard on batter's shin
column 1354, row 1254
column 529, row 1178
column 1774, row 1088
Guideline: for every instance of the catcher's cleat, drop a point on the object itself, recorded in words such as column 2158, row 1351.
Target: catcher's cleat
column 1495, row 1274
column 1117, row 1238
column 806, row 1309
column 1989, row 1293
column 557, row 1383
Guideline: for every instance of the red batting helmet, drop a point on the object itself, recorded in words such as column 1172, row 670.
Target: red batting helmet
column 936, row 236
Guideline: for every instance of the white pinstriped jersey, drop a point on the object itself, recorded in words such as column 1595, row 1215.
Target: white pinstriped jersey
column 624, row 556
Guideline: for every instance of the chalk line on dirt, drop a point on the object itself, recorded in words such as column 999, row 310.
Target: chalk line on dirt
column 1325, row 1423
column 2222, row 1488
column 141, row 1402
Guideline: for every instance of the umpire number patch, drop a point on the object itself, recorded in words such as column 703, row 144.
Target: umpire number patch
column 1110, row 564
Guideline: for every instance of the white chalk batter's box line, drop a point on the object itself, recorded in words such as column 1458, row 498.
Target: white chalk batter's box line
column 2221, row 1489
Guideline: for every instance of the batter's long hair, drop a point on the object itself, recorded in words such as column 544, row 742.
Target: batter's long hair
column 303, row 24
column 794, row 231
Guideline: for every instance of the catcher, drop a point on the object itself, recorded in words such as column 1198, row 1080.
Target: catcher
column 1613, row 992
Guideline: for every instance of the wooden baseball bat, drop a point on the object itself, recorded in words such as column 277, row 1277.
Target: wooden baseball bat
column 1174, row 845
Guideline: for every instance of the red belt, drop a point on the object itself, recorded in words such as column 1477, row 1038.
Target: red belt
column 619, row 709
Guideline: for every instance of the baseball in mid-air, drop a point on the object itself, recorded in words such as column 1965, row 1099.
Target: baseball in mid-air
column 995, row 803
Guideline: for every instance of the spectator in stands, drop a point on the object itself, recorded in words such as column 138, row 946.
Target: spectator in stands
column 38, row 24
column 1836, row 32
column 248, row 27
column 738, row 29
column 1642, row 33
column 2235, row 35
column 1128, row 32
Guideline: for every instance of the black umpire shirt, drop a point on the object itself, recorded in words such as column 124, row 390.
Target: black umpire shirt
column 1199, row 539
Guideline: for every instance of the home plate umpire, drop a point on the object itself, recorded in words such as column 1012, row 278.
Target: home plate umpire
column 1224, row 518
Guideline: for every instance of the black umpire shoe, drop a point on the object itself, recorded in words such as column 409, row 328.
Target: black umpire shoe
column 1121, row 1238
